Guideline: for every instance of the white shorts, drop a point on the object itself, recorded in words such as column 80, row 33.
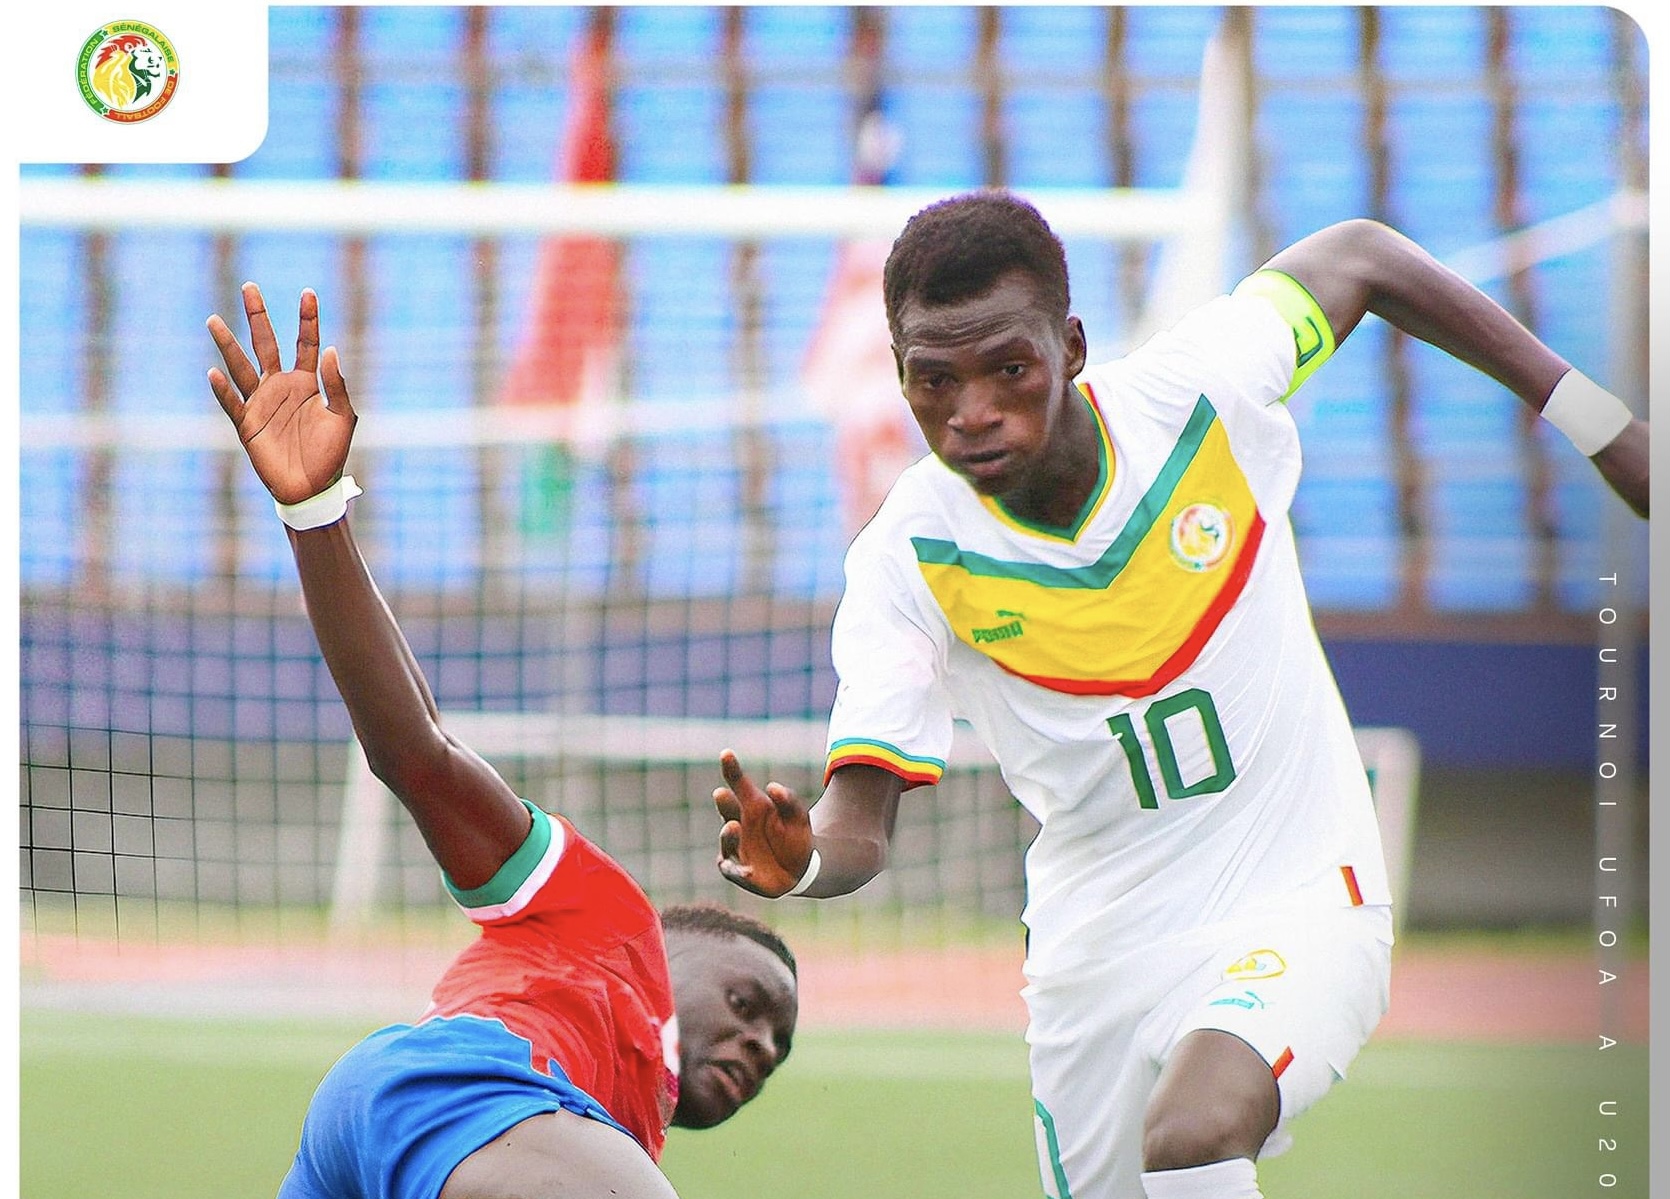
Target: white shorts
column 1303, row 990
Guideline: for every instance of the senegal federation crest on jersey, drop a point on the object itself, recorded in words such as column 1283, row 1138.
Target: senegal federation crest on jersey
column 127, row 71
column 1200, row 536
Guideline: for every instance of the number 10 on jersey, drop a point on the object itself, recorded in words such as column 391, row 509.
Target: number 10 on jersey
column 1157, row 718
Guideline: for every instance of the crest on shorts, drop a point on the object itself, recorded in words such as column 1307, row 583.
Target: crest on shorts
column 127, row 71
column 1201, row 536
column 1260, row 963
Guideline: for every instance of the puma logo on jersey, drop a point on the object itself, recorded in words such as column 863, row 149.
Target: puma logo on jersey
column 1001, row 632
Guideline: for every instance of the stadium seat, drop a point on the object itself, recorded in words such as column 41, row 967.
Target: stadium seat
column 415, row 39
column 1560, row 42
column 799, row 134
column 1168, row 41
column 794, row 276
column 1307, row 42
column 1432, row 43
column 537, row 39
column 412, row 130
column 1443, row 169
column 1312, row 183
column 923, row 39
column 1162, row 133
column 657, row 35
column 1056, row 139
column 528, row 124
column 671, row 133
column 795, row 40
column 1054, row 41
column 681, row 325
column 939, row 129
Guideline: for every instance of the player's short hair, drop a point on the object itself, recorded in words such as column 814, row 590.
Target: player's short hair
column 958, row 248
column 712, row 920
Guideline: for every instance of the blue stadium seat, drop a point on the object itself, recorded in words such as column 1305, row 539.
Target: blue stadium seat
column 412, row 130
column 538, row 37
column 1419, row 43
column 688, row 488
column 1306, row 42
column 51, row 491
column 1055, row 138
column 939, row 127
column 680, row 318
column 1097, row 299
column 1560, row 41
column 925, row 38
column 417, row 38
column 52, row 323
column 800, row 134
column 528, row 123
column 1168, row 40
column 1482, row 554
column 672, row 133
column 421, row 335
column 1575, row 306
column 1443, row 172
column 794, row 275
column 1456, row 410
column 1054, row 41
column 659, row 34
column 1567, row 152
column 1310, row 183
column 1349, row 572
column 1162, row 133
column 796, row 39
column 158, row 348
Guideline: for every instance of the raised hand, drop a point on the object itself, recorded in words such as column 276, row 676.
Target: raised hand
column 766, row 841
column 297, row 439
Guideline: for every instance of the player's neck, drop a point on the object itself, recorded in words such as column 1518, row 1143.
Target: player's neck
column 1071, row 468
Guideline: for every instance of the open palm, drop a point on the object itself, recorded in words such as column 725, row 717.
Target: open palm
column 297, row 438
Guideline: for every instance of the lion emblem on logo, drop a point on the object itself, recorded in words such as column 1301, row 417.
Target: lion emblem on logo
column 1201, row 535
column 128, row 71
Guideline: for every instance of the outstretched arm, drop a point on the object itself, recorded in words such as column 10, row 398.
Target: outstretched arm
column 769, row 837
column 297, row 440
column 1362, row 266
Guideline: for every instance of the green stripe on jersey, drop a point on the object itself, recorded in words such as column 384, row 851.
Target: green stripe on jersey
column 1313, row 337
column 513, row 873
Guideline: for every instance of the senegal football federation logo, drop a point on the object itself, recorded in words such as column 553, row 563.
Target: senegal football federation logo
column 127, row 72
column 1200, row 536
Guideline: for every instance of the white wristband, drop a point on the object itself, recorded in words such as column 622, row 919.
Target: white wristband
column 326, row 508
column 810, row 877
column 1588, row 414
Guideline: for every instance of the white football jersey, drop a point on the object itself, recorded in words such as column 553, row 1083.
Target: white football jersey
column 1148, row 679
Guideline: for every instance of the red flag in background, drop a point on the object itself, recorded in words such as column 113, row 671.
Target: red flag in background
column 570, row 351
column 849, row 374
column 569, row 356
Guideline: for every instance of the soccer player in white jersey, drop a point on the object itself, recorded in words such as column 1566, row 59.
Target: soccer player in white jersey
column 1095, row 569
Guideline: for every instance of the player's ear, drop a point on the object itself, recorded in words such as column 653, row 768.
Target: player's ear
column 1077, row 347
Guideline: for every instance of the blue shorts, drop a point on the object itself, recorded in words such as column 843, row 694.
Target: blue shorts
column 401, row 1109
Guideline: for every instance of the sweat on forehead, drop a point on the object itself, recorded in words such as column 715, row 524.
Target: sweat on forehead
column 960, row 247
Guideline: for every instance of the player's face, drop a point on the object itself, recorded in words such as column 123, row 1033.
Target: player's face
column 988, row 380
column 737, row 1004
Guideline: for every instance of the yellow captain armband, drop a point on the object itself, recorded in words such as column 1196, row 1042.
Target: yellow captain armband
column 1313, row 338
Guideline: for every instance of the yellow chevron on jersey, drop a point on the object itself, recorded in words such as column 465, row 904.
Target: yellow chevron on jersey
column 1135, row 618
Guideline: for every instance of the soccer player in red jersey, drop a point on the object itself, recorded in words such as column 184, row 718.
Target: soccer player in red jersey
column 579, row 1014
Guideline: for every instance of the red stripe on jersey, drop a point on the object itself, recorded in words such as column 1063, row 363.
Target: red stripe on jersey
column 1282, row 1062
column 1351, row 886
column 1183, row 657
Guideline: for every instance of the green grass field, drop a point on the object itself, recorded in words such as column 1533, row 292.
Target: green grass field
column 209, row 1109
